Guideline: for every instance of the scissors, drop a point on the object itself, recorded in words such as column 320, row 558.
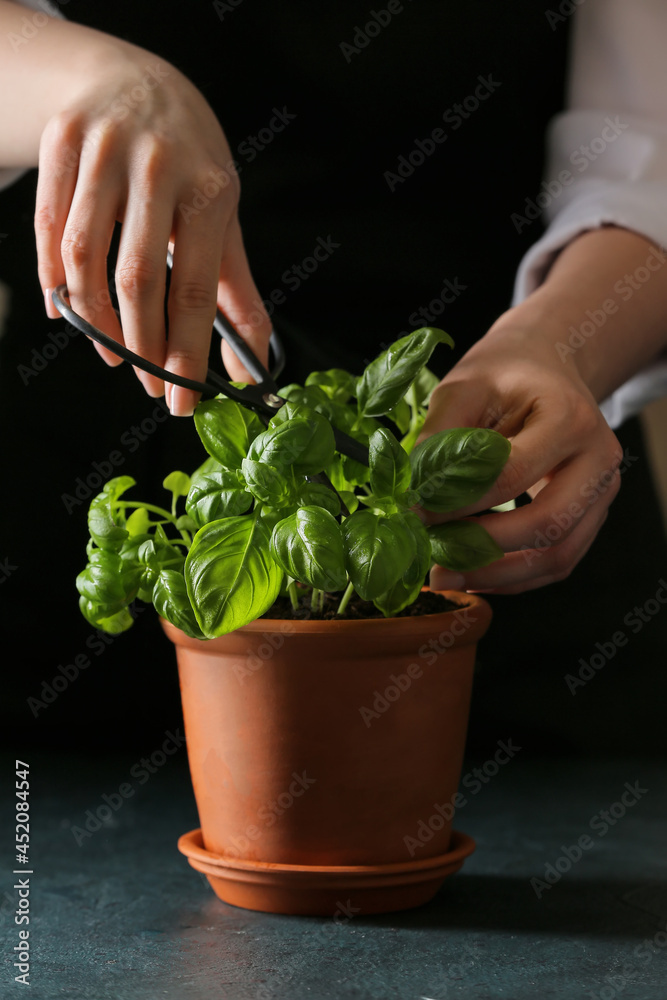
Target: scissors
column 263, row 397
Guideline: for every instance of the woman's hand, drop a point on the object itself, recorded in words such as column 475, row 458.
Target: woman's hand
column 530, row 379
column 139, row 145
column 563, row 455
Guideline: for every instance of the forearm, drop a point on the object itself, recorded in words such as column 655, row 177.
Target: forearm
column 601, row 311
column 47, row 72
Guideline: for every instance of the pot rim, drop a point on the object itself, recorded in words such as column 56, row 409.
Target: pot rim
column 191, row 844
column 406, row 626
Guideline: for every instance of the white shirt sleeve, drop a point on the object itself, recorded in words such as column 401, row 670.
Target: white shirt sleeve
column 42, row 8
column 607, row 160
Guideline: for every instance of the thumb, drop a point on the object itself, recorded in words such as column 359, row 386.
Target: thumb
column 460, row 403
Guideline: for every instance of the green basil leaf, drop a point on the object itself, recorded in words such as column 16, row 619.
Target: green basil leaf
column 297, row 437
column 387, row 505
column 109, row 581
column 462, row 546
column 208, row 466
column 390, row 470
column 178, row 483
column 350, row 499
column 455, row 468
column 312, row 397
column 216, row 495
column 138, row 522
column 230, row 574
column 338, row 384
column 171, row 601
column 354, row 473
column 336, row 475
column 267, row 483
column 308, row 546
column 114, row 624
column 106, row 522
column 319, row 495
column 226, row 430
column 420, row 391
column 387, row 378
column 406, row 590
column 401, row 415
column 418, row 569
column 186, row 523
column 408, row 442
column 378, row 550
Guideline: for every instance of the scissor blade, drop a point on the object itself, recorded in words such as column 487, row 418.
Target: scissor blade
column 347, row 445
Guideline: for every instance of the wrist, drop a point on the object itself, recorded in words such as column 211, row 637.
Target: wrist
column 540, row 330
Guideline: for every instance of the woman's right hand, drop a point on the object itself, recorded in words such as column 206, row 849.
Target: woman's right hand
column 140, row 145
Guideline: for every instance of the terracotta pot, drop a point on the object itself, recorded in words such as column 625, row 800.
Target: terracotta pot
column 325, row 757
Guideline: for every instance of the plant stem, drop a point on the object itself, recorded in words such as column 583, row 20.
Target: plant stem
column 315, row 599
column 149, row 506
column 293, row 595
column 349, row 590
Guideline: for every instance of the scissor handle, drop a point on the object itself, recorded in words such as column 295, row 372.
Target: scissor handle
column 261, row 397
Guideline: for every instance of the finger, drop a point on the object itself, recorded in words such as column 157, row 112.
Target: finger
column 241, row 303
column 571, row 495
column 56, row 182
column 518, row 571
column 77, row 245
column 191, row 306
column 58, row 179
column 544, row 434
column 534, row 583
column 141, row 277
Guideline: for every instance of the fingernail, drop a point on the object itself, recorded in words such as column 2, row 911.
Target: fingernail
column 153, row 386
column 443, row 579
column 51, row 310
column 181, row 404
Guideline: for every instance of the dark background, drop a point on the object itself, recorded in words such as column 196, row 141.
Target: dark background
column 322, row 177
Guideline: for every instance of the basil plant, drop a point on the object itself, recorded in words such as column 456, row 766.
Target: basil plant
column 258, row 519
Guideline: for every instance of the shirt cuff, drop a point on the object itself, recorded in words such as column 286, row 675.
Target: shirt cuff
column 640, row 206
